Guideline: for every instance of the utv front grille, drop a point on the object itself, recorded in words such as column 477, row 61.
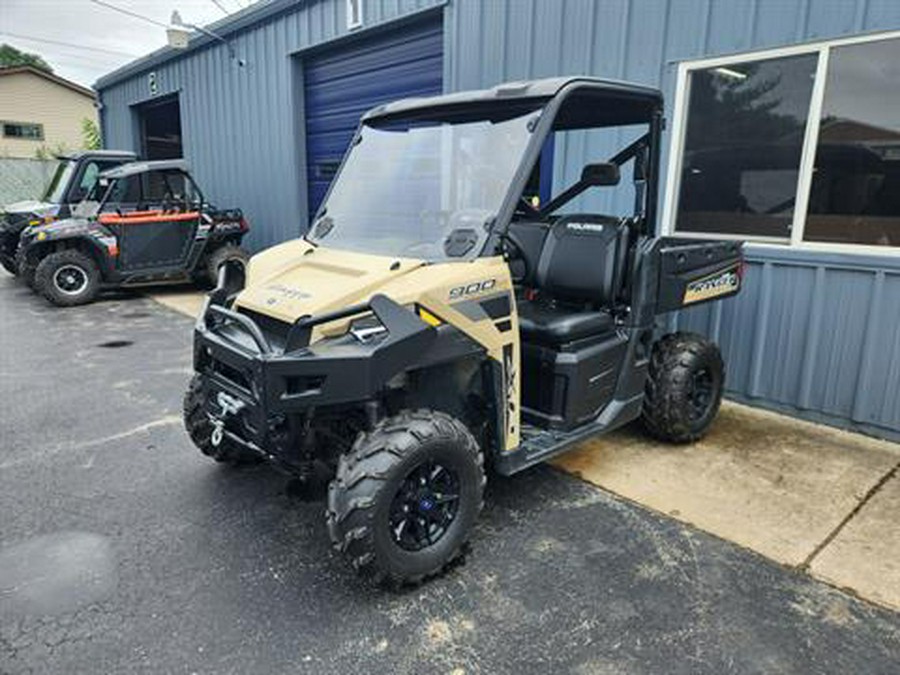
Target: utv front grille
column 233, row 375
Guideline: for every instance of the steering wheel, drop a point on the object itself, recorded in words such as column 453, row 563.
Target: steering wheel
column 514, row 251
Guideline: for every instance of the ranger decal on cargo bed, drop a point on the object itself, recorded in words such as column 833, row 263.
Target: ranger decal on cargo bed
column 716, row 284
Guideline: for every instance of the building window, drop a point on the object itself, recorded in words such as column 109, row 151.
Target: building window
column 23, row 130
column 354, row 14
column 855, row 193
column 742, row 148
column 799, row 146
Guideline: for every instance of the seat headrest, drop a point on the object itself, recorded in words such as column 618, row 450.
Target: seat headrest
column 579, row 258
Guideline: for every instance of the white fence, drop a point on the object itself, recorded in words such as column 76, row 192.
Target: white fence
column 24, row 178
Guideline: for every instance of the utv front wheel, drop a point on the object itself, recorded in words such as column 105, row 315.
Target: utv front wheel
column 684, row 388
column 200, row 429
column 67, row 278
column 406, row 496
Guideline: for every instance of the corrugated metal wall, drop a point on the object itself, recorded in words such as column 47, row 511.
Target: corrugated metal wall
column 242, row 127
column 814, row 333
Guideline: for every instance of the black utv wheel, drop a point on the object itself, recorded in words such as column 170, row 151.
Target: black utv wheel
column 406, row 496
column 219, row 257
column 25, row 270
column 9, row 264
column 67, row 278
column 200, row 429
column 684, row 388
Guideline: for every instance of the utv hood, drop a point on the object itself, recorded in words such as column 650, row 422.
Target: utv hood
column 31, row 206
column 297, row 279
column 18, row 215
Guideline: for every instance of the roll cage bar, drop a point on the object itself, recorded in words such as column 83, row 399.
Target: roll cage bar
column 112, row 177
column 634, row 151
column 643, row 106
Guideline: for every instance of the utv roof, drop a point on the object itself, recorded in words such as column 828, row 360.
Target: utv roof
column 142, row 167
column 98, row 153
column 523, row 92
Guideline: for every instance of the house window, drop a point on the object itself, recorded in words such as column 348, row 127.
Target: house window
column 798, row 146
column 23, row 130
column 354, row 14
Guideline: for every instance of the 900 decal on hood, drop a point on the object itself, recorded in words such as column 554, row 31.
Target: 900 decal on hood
column 723, row 282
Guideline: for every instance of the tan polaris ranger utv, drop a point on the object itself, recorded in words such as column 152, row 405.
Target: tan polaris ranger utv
column 437, row 321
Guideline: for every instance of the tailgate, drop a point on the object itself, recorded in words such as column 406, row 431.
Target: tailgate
column 693, row 271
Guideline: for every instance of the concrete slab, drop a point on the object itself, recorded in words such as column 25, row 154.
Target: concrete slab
column 865, row 555
column 185, row 300
column 765, row 481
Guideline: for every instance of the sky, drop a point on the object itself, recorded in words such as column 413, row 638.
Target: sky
column 98, row 38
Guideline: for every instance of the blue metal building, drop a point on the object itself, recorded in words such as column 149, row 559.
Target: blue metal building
column 816, row 331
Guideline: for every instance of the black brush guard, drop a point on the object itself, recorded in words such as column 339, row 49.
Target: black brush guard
column 255, row 389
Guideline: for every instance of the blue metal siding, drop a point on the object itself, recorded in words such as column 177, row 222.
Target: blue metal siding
column 341, row 84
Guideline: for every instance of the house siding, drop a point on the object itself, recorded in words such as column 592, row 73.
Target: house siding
column 29, row 98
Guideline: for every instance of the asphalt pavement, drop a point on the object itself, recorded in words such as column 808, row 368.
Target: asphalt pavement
column 123, row 550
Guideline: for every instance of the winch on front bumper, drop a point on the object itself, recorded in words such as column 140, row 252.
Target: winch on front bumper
column 263, row 386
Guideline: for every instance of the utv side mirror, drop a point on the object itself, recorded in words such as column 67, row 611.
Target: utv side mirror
column 604, row 173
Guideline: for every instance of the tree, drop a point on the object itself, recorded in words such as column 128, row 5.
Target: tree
column 90, row 134
column 11, row 57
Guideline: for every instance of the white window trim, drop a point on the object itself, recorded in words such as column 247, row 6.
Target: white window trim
column 808, row 155
column 353, row 25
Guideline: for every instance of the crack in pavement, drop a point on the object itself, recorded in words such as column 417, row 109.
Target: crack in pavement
column 166, row 420
column 875, row 489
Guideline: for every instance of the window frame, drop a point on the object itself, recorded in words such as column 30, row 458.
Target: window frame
column 38, row 125
column 807, row 157
column 354, row 7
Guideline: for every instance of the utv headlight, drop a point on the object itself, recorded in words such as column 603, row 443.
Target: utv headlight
column 428, row 317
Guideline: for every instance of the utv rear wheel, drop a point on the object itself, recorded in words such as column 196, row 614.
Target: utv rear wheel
column 406, row 496
column 219, row 257
column 67, row 278
column 684, row 388
column 200, row 429
column 9, row 264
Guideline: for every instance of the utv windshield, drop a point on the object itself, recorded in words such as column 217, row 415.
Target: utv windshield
column 426, row 189
column 56, row 190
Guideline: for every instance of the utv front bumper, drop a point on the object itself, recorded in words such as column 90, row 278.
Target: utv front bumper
column 259, row 389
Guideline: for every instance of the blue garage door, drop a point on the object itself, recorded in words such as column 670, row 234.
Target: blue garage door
column 341, row 84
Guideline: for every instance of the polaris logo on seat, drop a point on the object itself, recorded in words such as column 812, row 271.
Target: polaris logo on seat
column 712, row 286
column 585, row 227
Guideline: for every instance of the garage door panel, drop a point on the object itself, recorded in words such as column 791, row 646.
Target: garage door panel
column 325, row 100
column 340, row 85
column 421, row 42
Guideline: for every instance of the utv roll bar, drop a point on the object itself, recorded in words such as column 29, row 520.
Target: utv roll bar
column 620, row 158
column 639, row 104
